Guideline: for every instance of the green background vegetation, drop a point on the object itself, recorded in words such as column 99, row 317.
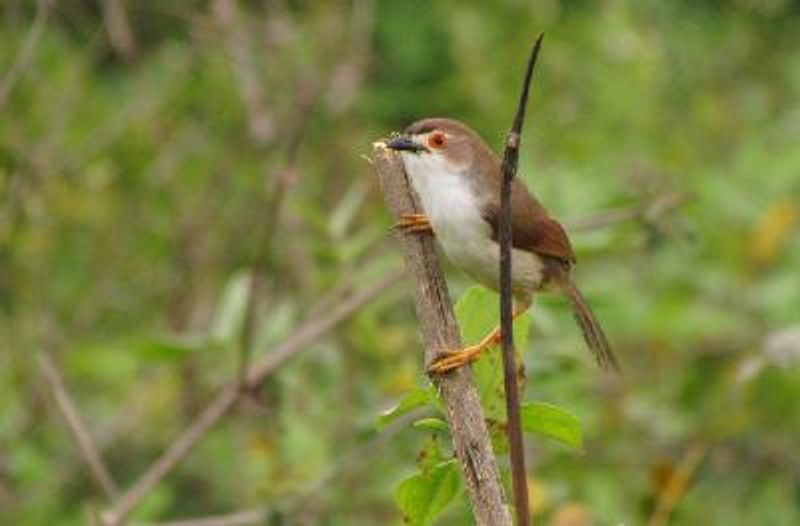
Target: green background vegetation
column 142, row 179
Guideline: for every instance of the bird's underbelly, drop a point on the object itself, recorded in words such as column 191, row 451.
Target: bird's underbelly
column 470, row 247
column 483, row 265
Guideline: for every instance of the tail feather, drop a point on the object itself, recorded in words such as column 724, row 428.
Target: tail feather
column 592, row 331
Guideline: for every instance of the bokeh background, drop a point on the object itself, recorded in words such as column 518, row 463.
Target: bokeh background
column 183, row 180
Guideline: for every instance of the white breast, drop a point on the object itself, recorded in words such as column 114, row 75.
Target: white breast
column 453, row 210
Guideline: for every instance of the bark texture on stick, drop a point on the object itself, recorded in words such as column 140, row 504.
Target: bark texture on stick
column 440, row 333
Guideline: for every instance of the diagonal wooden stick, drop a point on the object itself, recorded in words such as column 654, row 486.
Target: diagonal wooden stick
column 76, row 425
column 510, row 158
column 440, row 333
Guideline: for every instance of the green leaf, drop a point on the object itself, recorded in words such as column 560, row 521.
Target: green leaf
column 478, row 313
column 431, row 455
column 412, row 400
column 553, row 422
column 423, row 496
column 229, row 318
column 431, row 424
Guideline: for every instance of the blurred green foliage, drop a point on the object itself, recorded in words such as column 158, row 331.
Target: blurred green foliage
column 141, row 185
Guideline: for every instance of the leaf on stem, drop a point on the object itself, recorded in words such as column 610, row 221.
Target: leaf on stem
column 416, row 398
column 553, row 422
column 423, row 496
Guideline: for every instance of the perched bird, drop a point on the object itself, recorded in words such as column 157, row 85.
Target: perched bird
column 458, row 180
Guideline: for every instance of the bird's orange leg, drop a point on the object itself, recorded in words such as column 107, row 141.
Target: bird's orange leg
column 454, row 359
column 414, row 223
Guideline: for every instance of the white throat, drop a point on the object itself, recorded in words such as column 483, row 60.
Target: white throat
column 451, row 204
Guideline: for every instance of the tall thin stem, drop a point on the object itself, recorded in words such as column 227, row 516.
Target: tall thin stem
column 509, row 170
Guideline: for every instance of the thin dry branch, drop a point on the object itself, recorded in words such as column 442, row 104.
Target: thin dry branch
column 519, row 477
column 349, row 462
column 439, row 334
column 349, row 74
column 237, row 41
column 678, row 484
column 650, row 211
column 119, row 29
column 227, row 397
column 77, row 427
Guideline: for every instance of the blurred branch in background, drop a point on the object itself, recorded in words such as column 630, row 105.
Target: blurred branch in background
column 357, row 458
column 236, row 35
column 118, row 27
column 226, row 399
column 238, row 42
column 77, row 427
column 678, row 483
column 649, row 212
column 261, row 127
column 350, row 73
column 25, row 54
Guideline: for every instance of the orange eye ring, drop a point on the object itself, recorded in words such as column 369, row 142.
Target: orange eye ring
column 436, row 140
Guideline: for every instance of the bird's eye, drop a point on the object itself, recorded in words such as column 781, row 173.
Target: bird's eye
column 436, row 140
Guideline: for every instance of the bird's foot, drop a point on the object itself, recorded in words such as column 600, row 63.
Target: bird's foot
column 459, row 358
column 414, row 224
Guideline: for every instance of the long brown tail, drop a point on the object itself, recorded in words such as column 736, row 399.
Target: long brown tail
column 592, row 331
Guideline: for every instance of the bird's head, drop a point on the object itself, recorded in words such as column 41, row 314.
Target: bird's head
column 436, row 145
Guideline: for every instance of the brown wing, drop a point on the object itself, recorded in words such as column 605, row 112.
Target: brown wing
column 546, row 237
column 532, row 227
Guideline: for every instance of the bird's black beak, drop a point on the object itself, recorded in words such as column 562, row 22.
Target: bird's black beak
column 405, row 143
